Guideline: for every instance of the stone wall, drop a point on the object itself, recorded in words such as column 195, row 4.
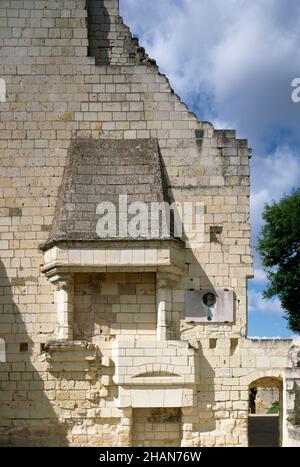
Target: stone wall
column 58, row 90
column 114, row 305
column 110, row 40
column 157, row 427
column 56, row 93
column 226, row 374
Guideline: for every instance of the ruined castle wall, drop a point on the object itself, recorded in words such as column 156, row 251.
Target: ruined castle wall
column 226, row 372
column 56, row 93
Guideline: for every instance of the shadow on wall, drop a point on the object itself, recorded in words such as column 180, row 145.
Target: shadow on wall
column 99, row 25
column 27, row 417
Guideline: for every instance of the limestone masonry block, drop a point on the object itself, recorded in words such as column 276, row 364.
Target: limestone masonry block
column 95, row 348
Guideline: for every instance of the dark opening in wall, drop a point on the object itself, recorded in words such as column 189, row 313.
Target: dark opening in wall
column 265, row 412
column 15, row 212
column 216, row 234
column 199, row 134
column 252, row 398
column 234, row 342
column 213, row 343
column 23, row 347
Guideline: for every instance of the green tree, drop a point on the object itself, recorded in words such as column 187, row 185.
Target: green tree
column 279, row 247
column 275, row 407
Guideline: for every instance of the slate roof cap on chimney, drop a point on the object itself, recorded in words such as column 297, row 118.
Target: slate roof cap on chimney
column 99, row 171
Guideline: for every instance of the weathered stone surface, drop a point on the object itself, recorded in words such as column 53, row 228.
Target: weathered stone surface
column 98, row 172
column 82, row 97
column 110, row 40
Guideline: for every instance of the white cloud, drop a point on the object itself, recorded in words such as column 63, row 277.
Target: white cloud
column 259, row 276
column 272, row 176
column 258, row 304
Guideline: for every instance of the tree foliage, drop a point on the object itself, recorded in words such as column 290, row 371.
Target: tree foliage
column 275, row 407
column 279, row 247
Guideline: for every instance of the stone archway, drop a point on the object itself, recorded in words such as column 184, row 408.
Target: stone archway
column 265, row 412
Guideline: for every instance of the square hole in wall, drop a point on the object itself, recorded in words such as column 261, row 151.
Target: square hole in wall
column 23, row 347
column 213, row 343
column 216, row 234
column 234, row 342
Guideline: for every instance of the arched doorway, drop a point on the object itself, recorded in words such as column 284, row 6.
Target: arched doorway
column 265, row 412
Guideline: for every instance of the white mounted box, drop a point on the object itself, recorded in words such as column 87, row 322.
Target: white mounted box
column 209, row 306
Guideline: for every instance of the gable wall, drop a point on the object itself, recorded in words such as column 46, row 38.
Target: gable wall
column 56, row 93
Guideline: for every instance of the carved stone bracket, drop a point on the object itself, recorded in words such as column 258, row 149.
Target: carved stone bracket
column 73, row 356
column 294, row 356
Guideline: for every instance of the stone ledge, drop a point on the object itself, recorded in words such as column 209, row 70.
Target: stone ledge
column 179, row 367
column 159, row 255
column 74, row 356
column 157, row 397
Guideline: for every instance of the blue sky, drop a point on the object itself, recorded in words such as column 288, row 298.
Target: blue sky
column 233, row 63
